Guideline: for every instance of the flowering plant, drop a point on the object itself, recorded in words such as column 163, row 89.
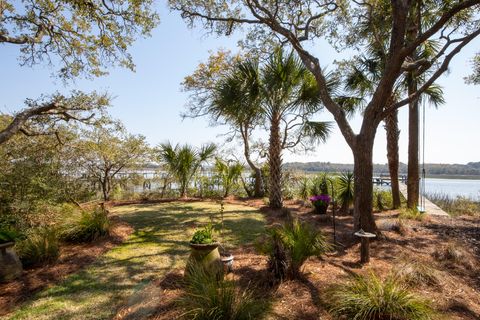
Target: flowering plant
column 322, row 200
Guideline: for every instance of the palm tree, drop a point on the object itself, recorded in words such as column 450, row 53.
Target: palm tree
column 184, row 161
column 287, row 89
column 281, row 93
column 228, row 174
column 235, row 99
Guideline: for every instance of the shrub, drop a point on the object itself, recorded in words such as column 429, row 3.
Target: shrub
column 412, row 214
column 319, row 184
column 290, row 245
column 8, row 235
column 382, row 199
column 370, row 298
column 39, row 247
column 455, row 206
column 208, row 298
column 203, row 236
column 304, row 188
column 345, row 190
column 89, row 226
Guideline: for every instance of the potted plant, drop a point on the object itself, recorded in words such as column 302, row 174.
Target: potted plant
column 320, row 203
column 204, row 251
column 10, row 265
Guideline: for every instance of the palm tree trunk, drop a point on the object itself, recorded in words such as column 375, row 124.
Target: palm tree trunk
column 183, row 189
column 275, row 163
column 413, row 177
column 413, row 188
column 393, row 134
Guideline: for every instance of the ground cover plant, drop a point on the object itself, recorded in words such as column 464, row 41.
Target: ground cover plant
column 371, row 298
column 289, row 245
column 41, row 246
column 208, row 298
column 88, row 226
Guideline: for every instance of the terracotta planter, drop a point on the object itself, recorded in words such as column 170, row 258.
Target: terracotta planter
column 206, row 256
column 10, row 265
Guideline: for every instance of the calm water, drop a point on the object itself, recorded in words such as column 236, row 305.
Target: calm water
column 454, row 187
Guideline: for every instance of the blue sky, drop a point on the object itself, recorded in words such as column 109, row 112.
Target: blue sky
column 150, row 100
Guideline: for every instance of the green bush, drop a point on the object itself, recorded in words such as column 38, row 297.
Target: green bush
column 455, row 206
column 412, row 214
column 290, row 245
column 88, row 227
column 203, row 236
column 40, row 247
column 345, row 190
column 304, row 188
column 320, row 185
column 382, row 200
column 207, row 298
column 8, row 235
column 370, row 298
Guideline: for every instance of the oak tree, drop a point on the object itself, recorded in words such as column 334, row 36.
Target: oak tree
column 453, row 24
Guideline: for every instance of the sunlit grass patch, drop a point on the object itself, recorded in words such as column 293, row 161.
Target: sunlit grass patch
column 158, row 245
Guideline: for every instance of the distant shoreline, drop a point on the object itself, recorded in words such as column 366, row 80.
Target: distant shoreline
column 453, row 176
column 469, row 171
column 429, row 176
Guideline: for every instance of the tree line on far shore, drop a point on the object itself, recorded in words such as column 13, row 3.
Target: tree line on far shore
column 470, row 169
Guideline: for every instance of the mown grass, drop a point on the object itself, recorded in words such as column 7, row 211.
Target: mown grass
column 158, row 244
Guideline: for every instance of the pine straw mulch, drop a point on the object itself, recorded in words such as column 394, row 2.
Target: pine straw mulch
column 455, row 296
column 73, row 257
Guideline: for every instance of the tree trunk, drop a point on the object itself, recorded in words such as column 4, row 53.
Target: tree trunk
column 105, row 189
column 393, row 133
column 183, row 192
column 413, row 173
column 363, row 185
column 414, row 24
column 259, row 189
column 275, row 163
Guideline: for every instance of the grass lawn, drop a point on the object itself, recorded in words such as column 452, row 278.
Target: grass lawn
column 158, row 244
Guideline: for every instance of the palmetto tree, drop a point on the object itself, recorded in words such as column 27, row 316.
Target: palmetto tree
column 235, row 99
column 184, row 161
column 282, row 94
column 228, row 173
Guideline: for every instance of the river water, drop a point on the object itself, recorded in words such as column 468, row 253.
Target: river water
column 454, row 187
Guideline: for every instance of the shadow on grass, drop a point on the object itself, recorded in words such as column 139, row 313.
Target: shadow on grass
column 158, row 245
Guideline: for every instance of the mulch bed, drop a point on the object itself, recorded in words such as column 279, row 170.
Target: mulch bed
column 73, row 257
column 457, row 295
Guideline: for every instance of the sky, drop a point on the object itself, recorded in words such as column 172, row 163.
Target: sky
column 149, row 101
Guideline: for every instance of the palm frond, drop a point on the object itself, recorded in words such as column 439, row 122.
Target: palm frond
column 318, row 130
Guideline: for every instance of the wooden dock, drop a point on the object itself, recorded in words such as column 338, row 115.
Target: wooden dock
column 384, row 180
column 430, row 207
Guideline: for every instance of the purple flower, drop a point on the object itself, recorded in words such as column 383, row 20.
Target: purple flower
column 320, row 200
